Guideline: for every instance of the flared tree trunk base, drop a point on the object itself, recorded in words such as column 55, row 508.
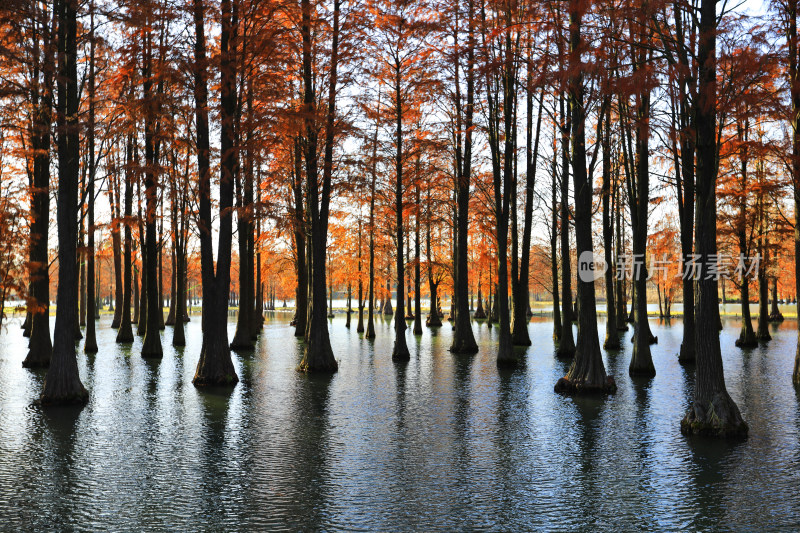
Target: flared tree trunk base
column 90, row 346
column 179, row 339
column 36, row 361
column 464, row 347
column 612, row 341
column 215, row 367
column 585, row 388
column 653, row 339
column 401, row 356
column 151, row 347
column 718, row 418
column 77, row 398
column 64, row 390
column 507, row 360
column 521, row 340
column 776, row 317
column 433, row 321
column 40, row 350
column 214, row 373
column 565, row 350
column 687, row 354
column 642, row 370
column 747, row 339
column 242, row 343
column 318, row 365
column 318, row 356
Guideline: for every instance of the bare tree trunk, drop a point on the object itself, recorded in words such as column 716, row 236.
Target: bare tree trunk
column 125, row 332
column 215, row 366
column 713, row 412
column 62, row 383
column 587, row 373
column 318, row 356
column 40, row 347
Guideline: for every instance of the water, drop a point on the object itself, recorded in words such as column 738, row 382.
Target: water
column 443, row 442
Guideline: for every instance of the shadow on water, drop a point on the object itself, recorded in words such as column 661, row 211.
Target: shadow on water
column 310, row 450
column 61, row 427
column 443, row 442
column 588, row 423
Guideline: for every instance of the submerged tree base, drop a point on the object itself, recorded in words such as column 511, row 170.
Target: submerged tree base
column 612, row 343
column 318, row 361
column 433, row 321
column 776, row 317
column 66, row 391
column 565, row 351
column 687, row 354
column 226, row 380
column 579, row 388
column 215, row 368
column 329, row 368
column 242, row 345
column 644, row 371
column 746, row 341
column 464, row 347
column 720, row 418
column 653, row 339
column 509, row 361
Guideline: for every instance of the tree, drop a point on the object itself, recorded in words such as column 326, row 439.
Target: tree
column 587, row 373
column 318, row 356
column 40, row 347
column 215, row 366
column 500, row 86
column 713, row 412
column 463, row 128
column 401, row 31
column 62, row 383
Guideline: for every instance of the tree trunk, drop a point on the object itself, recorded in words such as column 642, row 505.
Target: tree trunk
column 370, row 334
column 90, row 345
column 215, row 366
column 360, row 326
column 566, row 344
column 125, row 332
column 763, row 285
column 318, row 356
column 417, row 267
column 151, row 345
column 463, row 337
column 40, row 347
column 116, row 244
column 713, row 412
column 521, row 318
column 301, row 262
column 641, row 360
column 587, row 373
column 554, row 247
column 62, row 383
column 349, row 305
column 775, row 314
column 400, row 351
column 612, row 331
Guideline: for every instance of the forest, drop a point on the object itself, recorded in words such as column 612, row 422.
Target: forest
column 445, row 163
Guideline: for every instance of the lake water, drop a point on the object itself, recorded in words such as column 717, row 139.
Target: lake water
column 443, row 442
